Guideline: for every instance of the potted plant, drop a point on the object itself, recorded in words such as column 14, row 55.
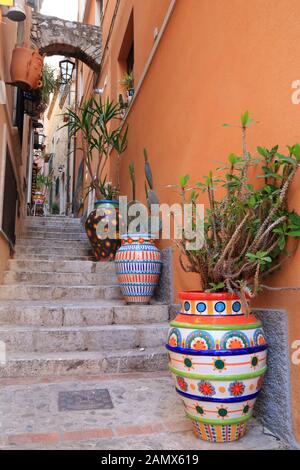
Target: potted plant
column 49, row 85
column 128, row 84
column 43, row 183
column 101, row 133
column 138, row 261
column 217, row 347
column 26, row 68
column 106, row 210
column 55, row 208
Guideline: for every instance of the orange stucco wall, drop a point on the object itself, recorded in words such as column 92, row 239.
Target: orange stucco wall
column 8, row 39
column 216, row 59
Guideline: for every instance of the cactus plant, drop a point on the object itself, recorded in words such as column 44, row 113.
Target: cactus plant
column 151, row 196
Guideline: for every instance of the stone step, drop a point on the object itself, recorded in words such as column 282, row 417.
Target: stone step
column 89, row 338
column 41, row 236
column 37, row 292
column 52, row 221
column 83, row 313
column 60, row 266
column 53, row 243
column 39, row 249
column 84, row 363
column 54, row 228
column 59, row 279
column 51, row 257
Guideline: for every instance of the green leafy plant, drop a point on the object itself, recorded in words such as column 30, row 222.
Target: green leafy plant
column 49, row 85
column 55, row 208
column 127, row 81
column 108, row 191
column 43, row 183
column 101, row 131
column 246, row 230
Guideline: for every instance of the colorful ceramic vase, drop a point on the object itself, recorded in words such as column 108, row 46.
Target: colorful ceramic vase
column 138, row 266
column 218, row 361
column 38, row 198
column 104, row 249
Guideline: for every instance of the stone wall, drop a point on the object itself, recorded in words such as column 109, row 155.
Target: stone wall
column 54, row 36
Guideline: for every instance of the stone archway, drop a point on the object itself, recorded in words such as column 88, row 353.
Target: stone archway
column 54, row 36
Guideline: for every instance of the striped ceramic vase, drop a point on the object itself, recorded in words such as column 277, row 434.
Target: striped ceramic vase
column 138, row 266
column 218, row 361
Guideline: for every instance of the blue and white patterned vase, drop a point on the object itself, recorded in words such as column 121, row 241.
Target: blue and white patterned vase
column 138, row 266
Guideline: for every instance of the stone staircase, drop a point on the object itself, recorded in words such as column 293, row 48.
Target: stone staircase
column 62, row 314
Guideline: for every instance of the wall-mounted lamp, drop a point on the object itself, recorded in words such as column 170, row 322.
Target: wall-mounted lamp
column 66, row 71
column 39, row 141
column 16, row 12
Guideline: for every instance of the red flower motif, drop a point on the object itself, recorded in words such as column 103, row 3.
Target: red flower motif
column 236, row 389
column 260, row 382
column 182, row 384
column 206, row 388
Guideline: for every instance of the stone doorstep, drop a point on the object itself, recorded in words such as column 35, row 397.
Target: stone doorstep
column 59, row 279
column 105, row 338
column 36, row 292
column 84, row 363
column 60, row 266
column 53, row 314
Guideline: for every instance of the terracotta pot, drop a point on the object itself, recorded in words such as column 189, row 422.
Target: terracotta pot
column 26, row 68
column 103, row 249
column 218, row 360
column 138, row 266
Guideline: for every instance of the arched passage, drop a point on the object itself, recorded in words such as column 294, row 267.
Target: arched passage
column 54, row 36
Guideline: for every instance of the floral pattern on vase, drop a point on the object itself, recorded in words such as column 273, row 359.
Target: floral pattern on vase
column 218, row 361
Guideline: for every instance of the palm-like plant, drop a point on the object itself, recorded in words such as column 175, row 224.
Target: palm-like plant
column 101, row 128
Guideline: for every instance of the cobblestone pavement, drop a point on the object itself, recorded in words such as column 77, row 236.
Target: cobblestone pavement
column 146, row 414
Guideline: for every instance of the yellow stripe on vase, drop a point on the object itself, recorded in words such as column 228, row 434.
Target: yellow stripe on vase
column 210, row 307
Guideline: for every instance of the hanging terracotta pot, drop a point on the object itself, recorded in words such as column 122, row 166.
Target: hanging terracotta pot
column 26, row 68
column 138, row 266
column 103, row 249
column 218, row 360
